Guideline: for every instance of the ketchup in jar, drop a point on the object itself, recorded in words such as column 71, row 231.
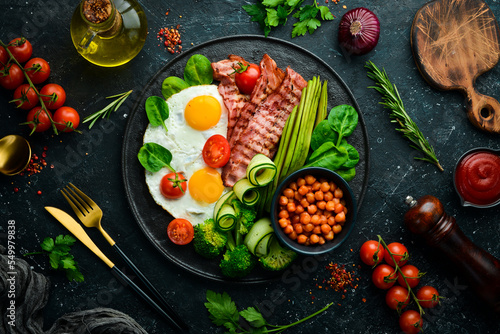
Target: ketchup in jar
column 477, row 178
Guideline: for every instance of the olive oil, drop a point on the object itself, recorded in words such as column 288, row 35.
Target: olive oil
column 108, row 33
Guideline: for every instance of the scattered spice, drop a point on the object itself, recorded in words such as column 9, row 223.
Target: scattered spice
column 36, row 163
column 340, row 279
column 171, row 38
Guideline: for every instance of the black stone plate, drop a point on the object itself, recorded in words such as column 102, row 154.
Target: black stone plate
column 152, row 219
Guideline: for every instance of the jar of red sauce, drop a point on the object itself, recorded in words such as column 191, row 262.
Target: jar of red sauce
column 477, row 178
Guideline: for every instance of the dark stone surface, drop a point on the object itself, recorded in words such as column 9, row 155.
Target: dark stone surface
column 92, row 161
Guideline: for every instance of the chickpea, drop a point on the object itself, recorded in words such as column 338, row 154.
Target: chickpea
column 325, row 228
column 300, row 182
column 283, row 222
column 336, row 228
column 316, row 186
column 316, row 230
column 329, row 236
column 310, row 179
column 330, row 206
column 293, row 235
column 288, row 192
column 293, row 186
column 298, row 228
column 309, row 227
column 339, row 208
column 338, row 193
column 315, row 219
column 295, row 219
column 304, row 202
column 312, row 209
column 321, row 240
column 299, row 209
column 333, row 186
column 325, row 187
column 318, row 195
column 305, row 218
column 310, row 197
column 283, row 201
column 301, row 239
column 291, row 207
column 323, row 219
column 340, row 217
column 313, row 239
column 303, row 190
column 331, row 220
column 288, row 229
column 283, row 214
column 328, row 196
column 297, row 196
column 321, row 205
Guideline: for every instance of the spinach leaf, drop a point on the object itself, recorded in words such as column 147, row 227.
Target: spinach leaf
column 328, row 156
column 352, row 155
column 157, row 111
column 172, row 85
column 198, row 71
column 343, row 119
column 347, row 174
column 154, row 157
column 323, row 133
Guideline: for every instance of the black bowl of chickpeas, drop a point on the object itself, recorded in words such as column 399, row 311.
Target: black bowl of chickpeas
column 313, row 211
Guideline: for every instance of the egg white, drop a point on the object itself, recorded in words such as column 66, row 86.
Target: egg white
column 186, row 145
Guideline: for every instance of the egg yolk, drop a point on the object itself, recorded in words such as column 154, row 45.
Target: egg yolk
column 205, row 185
column 202, row 112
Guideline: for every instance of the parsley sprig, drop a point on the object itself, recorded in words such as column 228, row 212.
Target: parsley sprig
column 272, row 13
column 58, row 251
column 223, row 312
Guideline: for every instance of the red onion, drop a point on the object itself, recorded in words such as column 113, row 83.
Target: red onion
column 359, row 31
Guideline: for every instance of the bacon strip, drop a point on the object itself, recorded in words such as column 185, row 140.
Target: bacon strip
column 264, row 129
column 224, row 68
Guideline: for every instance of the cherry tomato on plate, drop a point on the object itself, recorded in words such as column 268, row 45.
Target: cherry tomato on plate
column 39, row 120
column 38, row 70
column 412, row 276
column 397, row 298
column 4, row 56
column 173, row 185
column 21, row 49
column 53, row 95
column 384, row 276
column 216, row 151
column 180, row 231
column 428, row 296
column 25, row 97
column 410, row 322
column 11, row 76
column 246, row 77
column 67, row 119
column 371, row 252
column 399, row 252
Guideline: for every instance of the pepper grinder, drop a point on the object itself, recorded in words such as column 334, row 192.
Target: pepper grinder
column 426, row 217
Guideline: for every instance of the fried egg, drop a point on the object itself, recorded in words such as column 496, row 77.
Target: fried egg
column 195, row 114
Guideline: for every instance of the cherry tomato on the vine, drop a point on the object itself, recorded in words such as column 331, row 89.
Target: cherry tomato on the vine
column 53, row 95
column 397, row 298
column 246, row 76
column 11, row 76
column 4, row 56
column 37, row 69
column 21, row 49
column 64, row 116
column 399, row 252
column 384, row 276
column 180, row 231
column 412, row 276
column 428, row 296
column 173, row 185
column 25, row 97
column 410, row 322
column 371, row 252
column 216, row 151
column 39, row 120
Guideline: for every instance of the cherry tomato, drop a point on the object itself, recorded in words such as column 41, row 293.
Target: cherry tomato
column 180, row 231
column 372, row 252
column 173, row 185
column 399, row 252
column 412, row 276
column 216, row 151
column 4, row 56
column 11, row 76
column 397, row 298
column 410, row 322
column 384, row 276
column 246, row 76
column 53, row 95
column 21, row 49
column 64, row 116
column 428, row 296
column 25, row 97
column 39, row 119
column 38, row 70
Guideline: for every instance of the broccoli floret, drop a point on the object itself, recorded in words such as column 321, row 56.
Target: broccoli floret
column 208, row 241
column 278, row 257
column 237, row 262
column 245, row 216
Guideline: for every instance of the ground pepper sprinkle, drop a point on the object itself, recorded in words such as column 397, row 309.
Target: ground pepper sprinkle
column 340, row 279
column 170, row 38
column 36, row 164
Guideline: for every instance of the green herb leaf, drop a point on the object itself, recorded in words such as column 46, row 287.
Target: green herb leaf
column 222, row 309
column 352, row 155
column 47, row 244
column 54, row 260
column 198, row 70
column 74, row 275
column 347, row 174
column 154, row 157
column 254, row 317
column 325, row 13
column 68, row 262
column 343, row 119
column 328, row 156
column 157, row 111
column 323, row 133
column 172, row 85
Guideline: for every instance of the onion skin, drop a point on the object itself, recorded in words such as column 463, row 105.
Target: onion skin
column 359, row 31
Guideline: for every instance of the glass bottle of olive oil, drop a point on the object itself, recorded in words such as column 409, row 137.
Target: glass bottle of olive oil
column 108, row 32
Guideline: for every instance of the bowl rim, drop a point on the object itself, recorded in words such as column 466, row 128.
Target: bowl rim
column 463, row 202
column 312, row 250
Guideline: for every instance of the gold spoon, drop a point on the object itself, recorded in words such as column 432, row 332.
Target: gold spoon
column 15, row 154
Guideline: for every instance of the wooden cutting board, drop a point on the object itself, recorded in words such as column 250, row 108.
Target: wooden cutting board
column 453, row 42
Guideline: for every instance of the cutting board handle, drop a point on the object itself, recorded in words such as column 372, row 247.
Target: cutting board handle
column 483, row 111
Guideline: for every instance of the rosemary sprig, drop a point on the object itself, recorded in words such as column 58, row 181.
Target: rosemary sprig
column 392, row 101
column 106, row 112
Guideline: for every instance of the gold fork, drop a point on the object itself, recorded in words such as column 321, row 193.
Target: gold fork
column 90, row 214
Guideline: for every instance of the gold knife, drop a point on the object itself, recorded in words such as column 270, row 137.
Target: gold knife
column 77, row 230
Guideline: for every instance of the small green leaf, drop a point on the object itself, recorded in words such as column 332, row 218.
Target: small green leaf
column 198, row 70
column 172, row 85
column 323, row 133
column 325, row 13
column 254, row 317
column 157, row 111
column 343, row 119
column 47, row 244
column 272, row 17
column 221, row 308
column 272, row 3
column 154, row 157
column 328, row 156
column 68, row 262
column 74, row 275
column 54, row 260
column 347, row 174
column 352, row 155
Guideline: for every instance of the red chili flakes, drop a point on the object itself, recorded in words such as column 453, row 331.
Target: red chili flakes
column 340, row 278
column 36, row 163
column 171, row 39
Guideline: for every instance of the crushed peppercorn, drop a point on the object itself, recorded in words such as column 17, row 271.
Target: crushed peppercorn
column 339, row 279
